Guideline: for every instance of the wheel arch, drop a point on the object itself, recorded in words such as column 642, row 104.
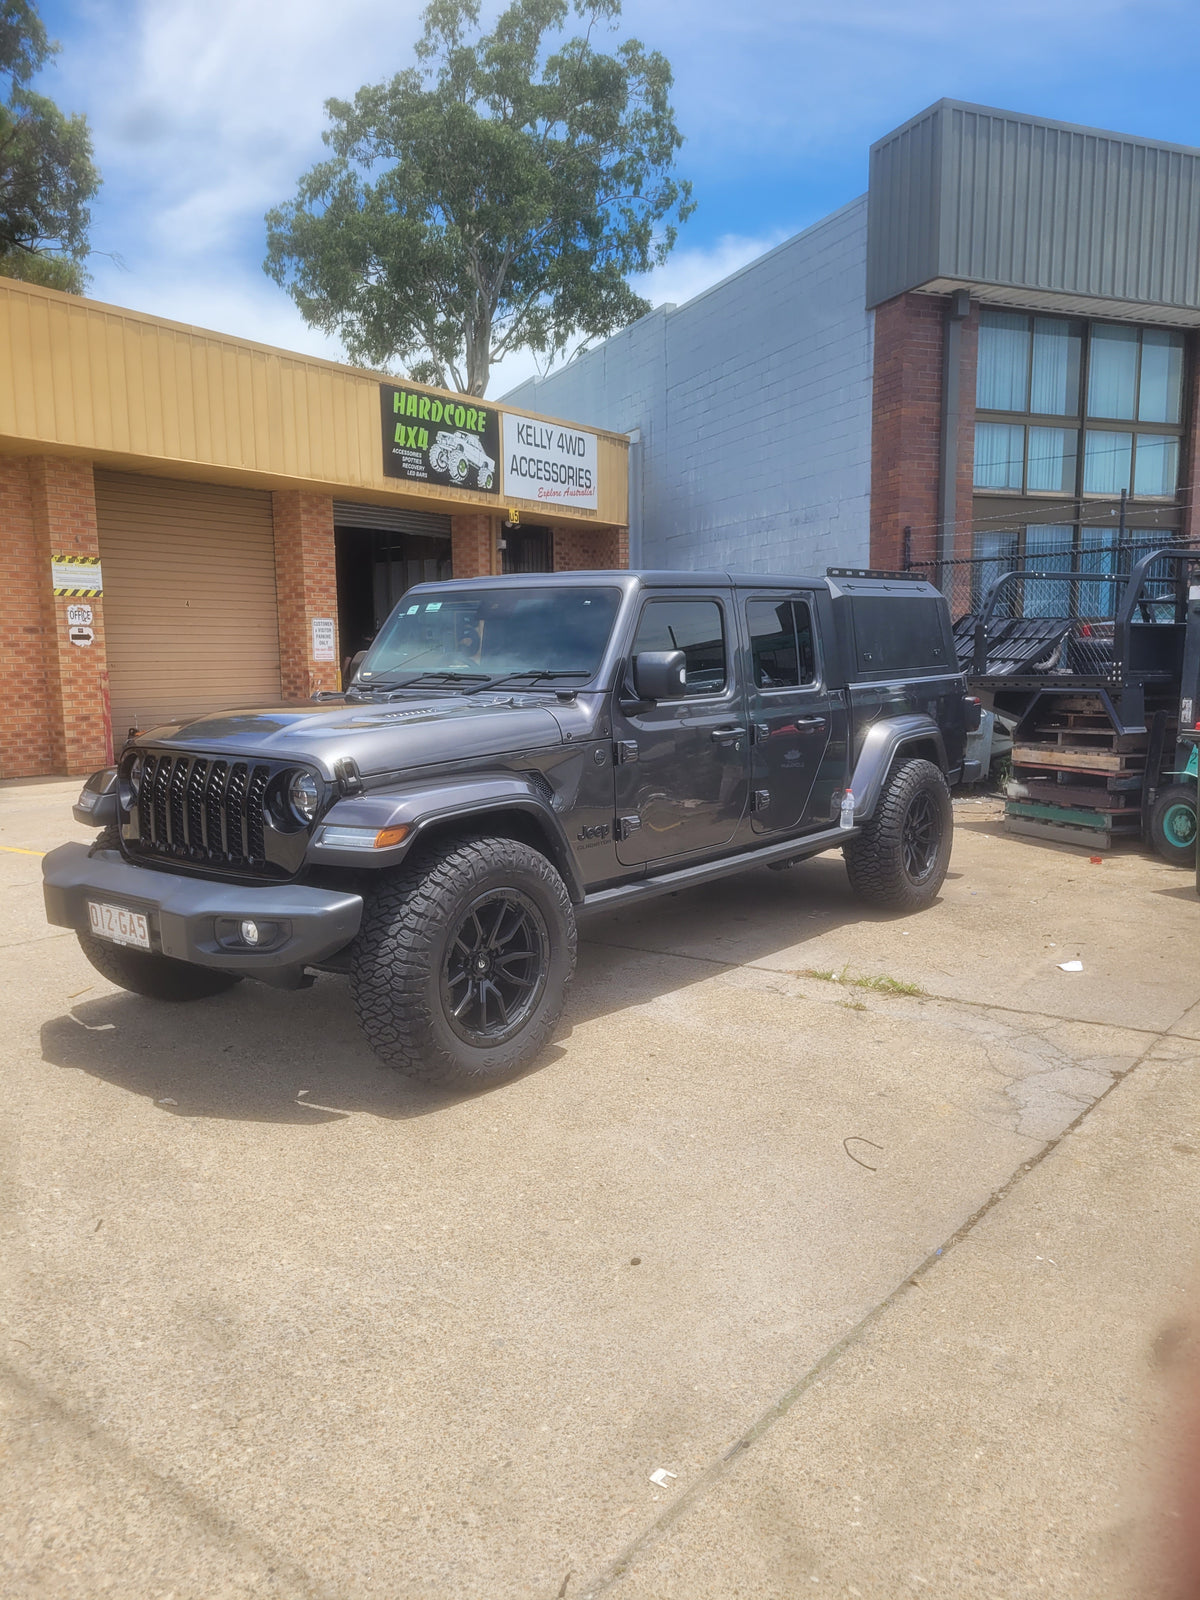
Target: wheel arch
column 510, row 805
column 887, row 741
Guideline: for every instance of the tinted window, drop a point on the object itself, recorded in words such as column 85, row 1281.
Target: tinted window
column 781, row 643
column 900, row 636
column 696, row 628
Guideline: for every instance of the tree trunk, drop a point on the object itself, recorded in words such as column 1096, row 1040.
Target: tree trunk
column 479, row 355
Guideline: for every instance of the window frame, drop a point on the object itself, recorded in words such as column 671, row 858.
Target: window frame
column 729, row 687
column 1083, row 424
column 804, row 597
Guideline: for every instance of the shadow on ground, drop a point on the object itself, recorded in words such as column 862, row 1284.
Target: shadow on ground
column 258, row 1054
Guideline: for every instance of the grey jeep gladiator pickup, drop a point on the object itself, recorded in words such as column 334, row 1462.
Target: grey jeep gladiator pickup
column 511, row 754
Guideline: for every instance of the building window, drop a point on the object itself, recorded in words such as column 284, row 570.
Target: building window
column 1033, row 368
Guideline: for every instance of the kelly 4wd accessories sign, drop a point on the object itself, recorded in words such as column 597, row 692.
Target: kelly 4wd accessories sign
column 443, row 440
column 548, row 462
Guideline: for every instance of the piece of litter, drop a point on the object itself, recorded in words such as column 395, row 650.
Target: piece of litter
column 299, row 1092
column 660, row 1476
column 167, row 1102
column 1070, row 966
column 93, row 1027
column 1096, row 861
column 78, row 992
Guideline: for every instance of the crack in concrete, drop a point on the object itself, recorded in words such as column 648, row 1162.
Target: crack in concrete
column 723, row 1464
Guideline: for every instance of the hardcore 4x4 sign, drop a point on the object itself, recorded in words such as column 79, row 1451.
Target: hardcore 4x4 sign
column 440, row 439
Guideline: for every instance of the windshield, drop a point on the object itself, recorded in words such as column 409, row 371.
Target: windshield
column 481, row 634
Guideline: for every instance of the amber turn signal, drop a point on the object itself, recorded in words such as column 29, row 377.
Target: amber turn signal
column 386, row 837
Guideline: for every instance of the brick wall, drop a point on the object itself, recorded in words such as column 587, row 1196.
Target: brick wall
column 55, row 717
column 473, row 545
column 1189, row 455
column 590, row 549
column 306, row 587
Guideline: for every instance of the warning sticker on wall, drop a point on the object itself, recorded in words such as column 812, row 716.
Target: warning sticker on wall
column 73, row 576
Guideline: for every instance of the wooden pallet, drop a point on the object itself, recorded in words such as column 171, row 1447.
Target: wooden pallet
column 1076, row 779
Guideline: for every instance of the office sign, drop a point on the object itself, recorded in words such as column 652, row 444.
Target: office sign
column 449, row 440
column 550, row 462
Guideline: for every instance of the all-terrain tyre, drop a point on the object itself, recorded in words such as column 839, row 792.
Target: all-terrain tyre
column 461, row 966
column 1173, row 824
column 148, row 973
column 901, row 856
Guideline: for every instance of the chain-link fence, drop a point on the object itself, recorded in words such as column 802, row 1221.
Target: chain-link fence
column 1065, row 618
column 1083, row 584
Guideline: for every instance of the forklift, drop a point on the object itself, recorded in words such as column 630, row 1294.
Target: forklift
column 1100, row 673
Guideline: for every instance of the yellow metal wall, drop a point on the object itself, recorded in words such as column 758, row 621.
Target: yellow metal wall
column 131, row 390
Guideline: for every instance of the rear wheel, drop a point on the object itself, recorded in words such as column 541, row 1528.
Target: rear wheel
column 1173, row 824
column 460, row 969
column 901, row 856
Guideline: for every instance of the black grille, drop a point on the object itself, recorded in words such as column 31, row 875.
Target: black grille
column 214, row 813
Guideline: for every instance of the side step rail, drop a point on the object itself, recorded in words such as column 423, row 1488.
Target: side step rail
column 623, row 894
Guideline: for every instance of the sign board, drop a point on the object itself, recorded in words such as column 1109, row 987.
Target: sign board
column 79, row 616
column 549, row 462
column 76, row 575
column 81, row 636
column 324, row 639
column 448, row 440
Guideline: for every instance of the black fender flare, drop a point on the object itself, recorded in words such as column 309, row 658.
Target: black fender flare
column 430, row 807
column 884, row 741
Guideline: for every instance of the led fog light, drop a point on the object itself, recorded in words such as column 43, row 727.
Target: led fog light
column 249, row 932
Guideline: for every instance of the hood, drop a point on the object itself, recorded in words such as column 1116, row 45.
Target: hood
column 414, row 732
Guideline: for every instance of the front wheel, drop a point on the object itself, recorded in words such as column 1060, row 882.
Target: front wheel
column 155, row 976
column 1173, row 824
column 460, row 969
column 901, row 856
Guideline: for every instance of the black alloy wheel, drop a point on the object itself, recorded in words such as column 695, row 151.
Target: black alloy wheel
column 921, row 836
column 495, row 967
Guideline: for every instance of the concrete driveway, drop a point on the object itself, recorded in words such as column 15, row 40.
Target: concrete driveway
column 277, row 1323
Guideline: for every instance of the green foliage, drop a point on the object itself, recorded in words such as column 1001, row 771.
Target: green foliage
column 496, row 197
column 47, row 175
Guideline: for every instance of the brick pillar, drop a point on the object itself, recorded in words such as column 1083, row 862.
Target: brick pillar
column 579, row 549
column 306, row 588
column 473, row 551
column 71, row 681
column 27, row 718
column 906, row 427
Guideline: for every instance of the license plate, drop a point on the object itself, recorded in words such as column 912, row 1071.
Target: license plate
column 118, row 924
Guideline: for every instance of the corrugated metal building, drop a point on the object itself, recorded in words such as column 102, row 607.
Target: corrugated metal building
column 990, row 355
column 190, row 521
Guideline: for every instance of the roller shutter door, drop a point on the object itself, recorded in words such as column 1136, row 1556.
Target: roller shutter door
column 190, row 613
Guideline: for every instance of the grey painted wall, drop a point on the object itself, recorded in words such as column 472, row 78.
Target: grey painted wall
column 753, row 406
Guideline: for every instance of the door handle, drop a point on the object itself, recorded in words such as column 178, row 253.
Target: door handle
column 723, row 735
column 810, row 722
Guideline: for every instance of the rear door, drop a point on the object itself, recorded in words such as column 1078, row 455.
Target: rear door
column 791, row 713
column 682, row 774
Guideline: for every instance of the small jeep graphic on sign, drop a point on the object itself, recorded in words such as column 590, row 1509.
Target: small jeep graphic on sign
column 457, row 453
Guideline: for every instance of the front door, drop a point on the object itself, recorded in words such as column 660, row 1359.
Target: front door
column 682, row 774
column 790, row 710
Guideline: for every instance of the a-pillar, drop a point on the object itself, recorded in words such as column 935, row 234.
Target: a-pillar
column 473, row 544
column 306, row 593
column 57, row 720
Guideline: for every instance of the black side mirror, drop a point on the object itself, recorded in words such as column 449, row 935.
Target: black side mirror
column 660, row 674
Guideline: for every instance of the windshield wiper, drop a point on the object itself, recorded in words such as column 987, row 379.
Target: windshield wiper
column 392, row 680
column 530, row 678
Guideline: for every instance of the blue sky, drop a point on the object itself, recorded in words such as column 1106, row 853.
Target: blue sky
column 204, row 113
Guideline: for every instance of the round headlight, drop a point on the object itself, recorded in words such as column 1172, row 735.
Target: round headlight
column 134, row 774
column 304, row 796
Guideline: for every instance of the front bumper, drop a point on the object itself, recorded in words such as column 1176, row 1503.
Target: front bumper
column 183, row 912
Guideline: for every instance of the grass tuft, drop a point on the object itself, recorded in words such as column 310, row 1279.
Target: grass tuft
column 879, row 982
